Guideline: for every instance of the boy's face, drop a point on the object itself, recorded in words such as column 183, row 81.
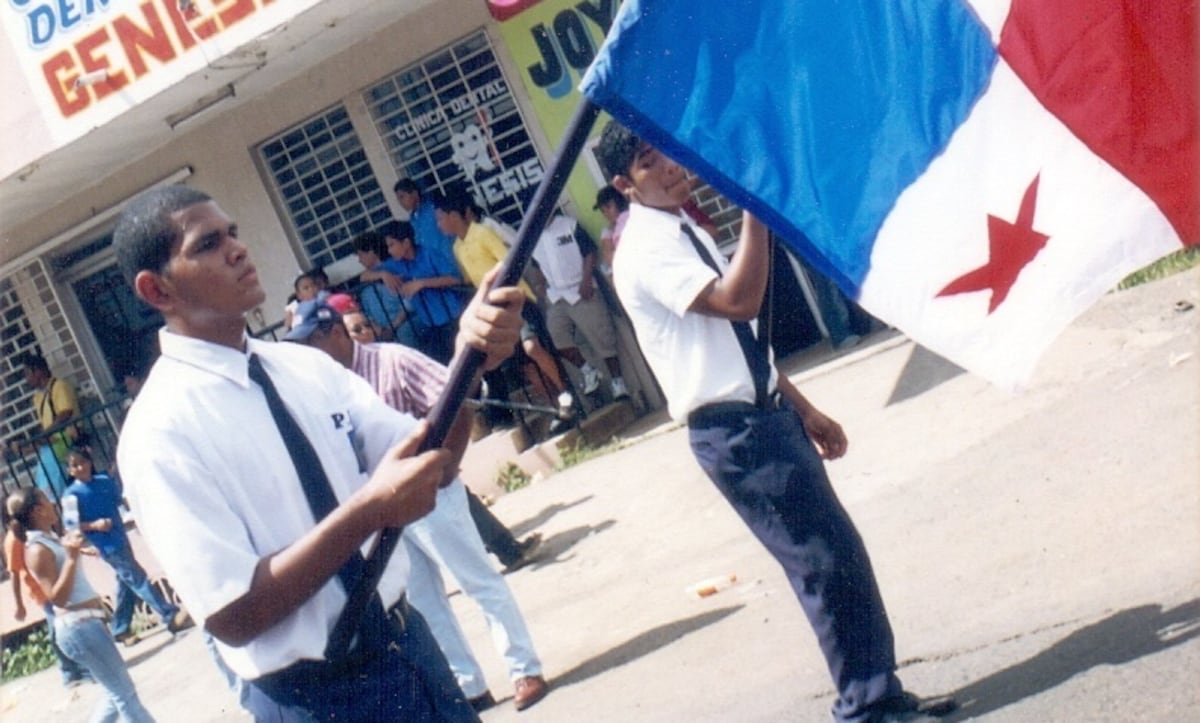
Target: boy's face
column 209, row 274
column 401, row 249
column 79, row 468
column 654, row 180
column 368, row 259
column 408, row 199
column 610, row 212
column 306, row 289
column 451, row 223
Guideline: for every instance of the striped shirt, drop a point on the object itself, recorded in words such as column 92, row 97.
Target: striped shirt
column 405, row 378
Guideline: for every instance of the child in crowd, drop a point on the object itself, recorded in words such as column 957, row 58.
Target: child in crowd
column 99, row 499
column 307, row 286
column 615, row 209
column 360, row 328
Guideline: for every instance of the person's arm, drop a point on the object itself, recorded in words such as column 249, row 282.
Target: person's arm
column 390, row 280
column 825, row 433
column 738, row 295
column 56, row 582
column 14, row 554
column 411, row 288
column 402, row 489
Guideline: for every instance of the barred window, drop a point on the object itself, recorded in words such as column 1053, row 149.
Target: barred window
column 325, row 184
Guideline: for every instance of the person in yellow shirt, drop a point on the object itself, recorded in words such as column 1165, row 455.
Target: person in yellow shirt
column 54, row 402
column 478, row 249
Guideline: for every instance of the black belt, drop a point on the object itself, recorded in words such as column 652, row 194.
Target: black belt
column 718, row 413
column 361, row 651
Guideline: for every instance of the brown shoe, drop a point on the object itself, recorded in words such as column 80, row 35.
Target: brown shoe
column 529, row 690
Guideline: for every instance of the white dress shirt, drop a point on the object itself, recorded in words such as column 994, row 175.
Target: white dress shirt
column 215, row 490
column 658, row 274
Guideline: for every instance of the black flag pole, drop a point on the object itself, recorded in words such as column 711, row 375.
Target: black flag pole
column 464, row 366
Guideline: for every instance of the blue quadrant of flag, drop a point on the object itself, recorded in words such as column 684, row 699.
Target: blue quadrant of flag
column 850, row 101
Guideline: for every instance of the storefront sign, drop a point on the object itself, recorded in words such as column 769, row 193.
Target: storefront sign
column 88, row 61
column 553, row 42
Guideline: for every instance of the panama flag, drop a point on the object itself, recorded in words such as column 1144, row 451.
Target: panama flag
column 974, row 174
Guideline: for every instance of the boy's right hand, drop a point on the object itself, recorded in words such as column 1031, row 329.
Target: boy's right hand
column 404, row 486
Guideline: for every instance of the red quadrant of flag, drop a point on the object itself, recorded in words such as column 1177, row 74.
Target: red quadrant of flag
column 1123, row 77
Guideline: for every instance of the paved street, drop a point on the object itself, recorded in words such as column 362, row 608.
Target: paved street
column 1039, row 553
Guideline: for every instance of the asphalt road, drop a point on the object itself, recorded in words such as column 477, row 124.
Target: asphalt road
column 1039, row 553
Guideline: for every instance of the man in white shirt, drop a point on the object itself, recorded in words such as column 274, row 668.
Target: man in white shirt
column 231, row 515
column 755, row 435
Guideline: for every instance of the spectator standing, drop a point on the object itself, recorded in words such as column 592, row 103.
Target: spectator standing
column 566, row 256
column 99, row 499
column 78, row 614
column 14, row 556
column 479, row 250
column 615, row 209
column 422, row 216
column 54, row 403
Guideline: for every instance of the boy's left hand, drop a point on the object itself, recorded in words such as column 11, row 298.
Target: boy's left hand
column 825, row 433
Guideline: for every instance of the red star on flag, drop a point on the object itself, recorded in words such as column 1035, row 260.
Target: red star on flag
column 1011, row 246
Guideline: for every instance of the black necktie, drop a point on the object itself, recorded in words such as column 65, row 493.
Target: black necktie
column 752, row 348
column 318, row 492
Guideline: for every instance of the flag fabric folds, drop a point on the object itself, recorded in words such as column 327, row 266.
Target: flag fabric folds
column 974, row 174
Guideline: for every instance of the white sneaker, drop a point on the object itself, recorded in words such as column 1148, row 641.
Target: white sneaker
column 618, row 388
column 591, row 378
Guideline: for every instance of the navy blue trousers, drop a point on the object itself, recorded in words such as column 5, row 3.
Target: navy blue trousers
column 764, row 464
column 397, row 672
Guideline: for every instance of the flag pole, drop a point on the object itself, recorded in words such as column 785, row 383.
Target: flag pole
column 464, row 366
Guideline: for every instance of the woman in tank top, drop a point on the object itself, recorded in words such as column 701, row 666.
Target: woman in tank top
column 79, row 617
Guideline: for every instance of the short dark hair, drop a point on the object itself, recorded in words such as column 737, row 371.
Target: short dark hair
column 617, row 148
column 33, row 360
column 145, row 232
column 398, row 229
column 371, row 241
column 454, row 200
column 609, row 194
column 407, row 185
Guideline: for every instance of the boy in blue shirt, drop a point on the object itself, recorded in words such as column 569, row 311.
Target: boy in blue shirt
column 99, row 497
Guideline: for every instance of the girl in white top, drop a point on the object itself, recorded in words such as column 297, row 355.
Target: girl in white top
column 78, row 614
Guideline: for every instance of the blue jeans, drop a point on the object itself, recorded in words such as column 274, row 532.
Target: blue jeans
column 132, row 583
column 764, row 464
column 71, row 671
column 447, row 536
column 88, row 643
column 49, row 476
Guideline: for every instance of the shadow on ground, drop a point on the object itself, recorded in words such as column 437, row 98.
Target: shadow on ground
column 1120, row 638
column 641, row 645
column 526, row 526
column 553, row 548
column 923, row 371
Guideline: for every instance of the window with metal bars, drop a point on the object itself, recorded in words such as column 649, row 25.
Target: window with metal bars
column 325, row 184
column 450, row 118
